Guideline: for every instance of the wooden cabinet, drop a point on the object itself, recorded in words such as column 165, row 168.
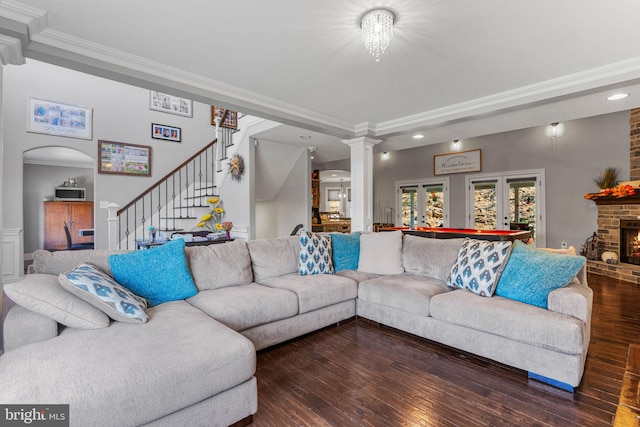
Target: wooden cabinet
column 77, row 215
column 315, row 196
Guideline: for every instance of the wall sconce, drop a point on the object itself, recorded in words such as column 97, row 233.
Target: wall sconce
column 385, row 155
column 554, row 130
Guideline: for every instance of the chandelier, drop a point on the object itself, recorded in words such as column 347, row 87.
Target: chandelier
column 377, row 31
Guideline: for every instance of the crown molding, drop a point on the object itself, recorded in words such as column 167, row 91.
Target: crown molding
column 114, row 63
column 627, row 71
column 32, row 18
column 11, row 51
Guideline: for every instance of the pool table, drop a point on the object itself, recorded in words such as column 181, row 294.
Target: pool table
column 451, row 233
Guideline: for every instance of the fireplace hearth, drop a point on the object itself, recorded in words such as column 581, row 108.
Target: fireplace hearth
column 630, row 241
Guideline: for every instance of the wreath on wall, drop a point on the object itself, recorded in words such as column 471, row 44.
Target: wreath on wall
column 236, row 167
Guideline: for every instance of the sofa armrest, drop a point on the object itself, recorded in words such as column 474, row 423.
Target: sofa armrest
column 575, row 299
column 22, row 326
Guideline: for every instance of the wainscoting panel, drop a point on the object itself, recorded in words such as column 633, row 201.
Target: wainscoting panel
column 12, row 266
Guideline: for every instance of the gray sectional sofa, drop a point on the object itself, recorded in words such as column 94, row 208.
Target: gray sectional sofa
column 193, row 362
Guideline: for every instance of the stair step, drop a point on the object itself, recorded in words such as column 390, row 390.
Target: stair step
column 178, row 217
column 199, row 197
column 210, row 187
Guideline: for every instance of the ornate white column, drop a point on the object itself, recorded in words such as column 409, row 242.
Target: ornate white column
column 361, row 182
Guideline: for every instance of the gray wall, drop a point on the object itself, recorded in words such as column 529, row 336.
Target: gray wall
column 120, row 113
column 583, row 148
column 39, row 182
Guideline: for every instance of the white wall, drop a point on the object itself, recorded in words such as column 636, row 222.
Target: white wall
column 583, row 148
column 120, row 113
column 292, row 204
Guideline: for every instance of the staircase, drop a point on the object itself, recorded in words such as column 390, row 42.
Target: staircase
column 177, row 201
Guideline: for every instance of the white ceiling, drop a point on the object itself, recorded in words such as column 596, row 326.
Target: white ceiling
column 454, row 70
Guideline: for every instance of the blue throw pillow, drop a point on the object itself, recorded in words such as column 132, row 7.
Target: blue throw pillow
column 346, row 250
column 158, row 274
column 531, row 274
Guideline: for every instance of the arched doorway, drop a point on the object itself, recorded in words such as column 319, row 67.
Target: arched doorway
column 44, row 169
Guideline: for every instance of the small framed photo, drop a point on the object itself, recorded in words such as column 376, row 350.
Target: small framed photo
column 226, row 118
column 124, row 159
column 170, row 133
column 55, row 118
column 159, row 101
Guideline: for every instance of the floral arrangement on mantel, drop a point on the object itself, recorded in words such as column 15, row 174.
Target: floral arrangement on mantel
column 212, row 221
column 620, row 190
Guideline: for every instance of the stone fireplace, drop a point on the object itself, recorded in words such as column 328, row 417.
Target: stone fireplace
column 619, row 220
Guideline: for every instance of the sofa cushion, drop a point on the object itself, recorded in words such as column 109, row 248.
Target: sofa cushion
column 57, row 262
column 479, row 265
column 217, row 266
column 274, row 257
column 531, row 274
column 358, row 276
column 315, row 291
column 381, row 253
column 119, row 375
column 315, row 254
column 345, row 251
column 99, row 289
column 407, row 292
column 158, row 274
column 246, row 306
column 429, row 257
column 42, row 294
column 510, row 319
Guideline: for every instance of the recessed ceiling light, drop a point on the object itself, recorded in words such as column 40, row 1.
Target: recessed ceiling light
column 334, row 174
column 305, row 136
column 418, row 136
column 617, row 96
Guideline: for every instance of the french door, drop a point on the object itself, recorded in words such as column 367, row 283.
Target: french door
column 513, row 200
column 423, row 203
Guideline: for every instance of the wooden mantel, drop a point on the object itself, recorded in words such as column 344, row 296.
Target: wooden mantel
column 612, row 200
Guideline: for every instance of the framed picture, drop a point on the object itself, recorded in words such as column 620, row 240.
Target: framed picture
column 227, row 118
column 159, row 101
column 170, row 133
column 460, row 162
column 124, row 159
column 55, row 118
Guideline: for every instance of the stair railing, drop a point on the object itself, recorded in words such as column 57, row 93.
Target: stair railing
column 170, row 200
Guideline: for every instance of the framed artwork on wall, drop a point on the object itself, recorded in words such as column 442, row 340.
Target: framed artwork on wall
column 159, row 101
column 226, row 118
column 55, row 118
column 460, row 162
column 170, row 133
column 124, row 159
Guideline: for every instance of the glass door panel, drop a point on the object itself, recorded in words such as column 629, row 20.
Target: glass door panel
column 409, row 203
column 522, row 204
column 485, row 207
column 434, row 205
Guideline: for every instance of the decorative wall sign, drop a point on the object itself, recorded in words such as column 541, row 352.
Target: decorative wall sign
column 54, row 118
column 124, row 159
column 463, row 161
column 226, row 118
column 170, row 133
column 159, row 101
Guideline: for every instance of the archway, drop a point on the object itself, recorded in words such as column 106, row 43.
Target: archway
column 44, row 169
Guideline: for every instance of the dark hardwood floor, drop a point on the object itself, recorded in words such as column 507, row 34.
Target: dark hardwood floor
column 357, row 374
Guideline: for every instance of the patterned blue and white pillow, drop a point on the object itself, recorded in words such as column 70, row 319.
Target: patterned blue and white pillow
column 100, row 290
column 479, row 265
column 315, row 254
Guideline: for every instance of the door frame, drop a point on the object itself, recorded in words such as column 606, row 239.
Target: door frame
column 421, row 204
column 502, row 202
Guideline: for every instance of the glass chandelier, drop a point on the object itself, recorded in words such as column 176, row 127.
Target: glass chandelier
column 377, row 31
